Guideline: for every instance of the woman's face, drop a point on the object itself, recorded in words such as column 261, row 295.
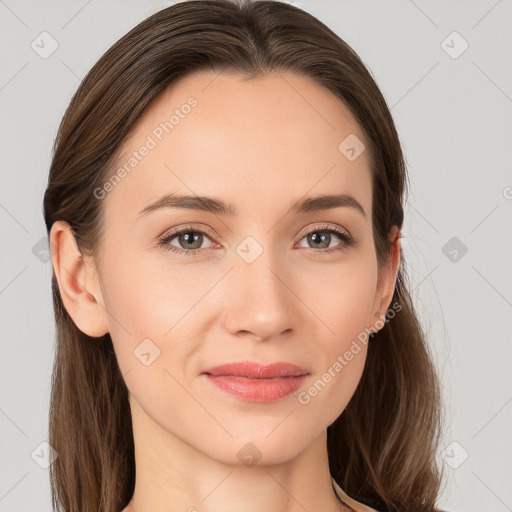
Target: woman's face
column 263, row 283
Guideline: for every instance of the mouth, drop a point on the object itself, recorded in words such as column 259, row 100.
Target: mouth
column 257, row 383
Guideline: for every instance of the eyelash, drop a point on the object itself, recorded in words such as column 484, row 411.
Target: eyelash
column 347, row 240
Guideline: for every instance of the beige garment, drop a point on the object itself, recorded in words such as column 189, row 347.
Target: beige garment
column 358, row 507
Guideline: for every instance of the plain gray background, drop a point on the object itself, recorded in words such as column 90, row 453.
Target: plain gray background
column 452, row 108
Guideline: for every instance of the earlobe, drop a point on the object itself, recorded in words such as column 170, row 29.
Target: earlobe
column 78, row 282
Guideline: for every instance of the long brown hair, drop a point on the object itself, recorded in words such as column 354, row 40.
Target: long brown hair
column 383, row 447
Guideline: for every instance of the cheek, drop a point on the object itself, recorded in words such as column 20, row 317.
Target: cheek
column 147, row 310
column 343, row 300
column 340, row 354
column 148, row 299
column 342, row 297
column 148, row 296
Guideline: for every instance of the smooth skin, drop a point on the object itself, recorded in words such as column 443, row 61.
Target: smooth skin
column 261, row 145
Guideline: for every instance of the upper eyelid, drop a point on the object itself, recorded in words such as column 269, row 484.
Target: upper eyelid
column 182, row 229
column 325, row 226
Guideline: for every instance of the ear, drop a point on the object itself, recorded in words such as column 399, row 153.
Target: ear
column 78, row 282
column 387, row 276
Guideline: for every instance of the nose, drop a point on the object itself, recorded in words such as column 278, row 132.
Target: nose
column 259, row 298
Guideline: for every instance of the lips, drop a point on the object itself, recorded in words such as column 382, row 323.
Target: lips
column 252, row 370
column 257, row 383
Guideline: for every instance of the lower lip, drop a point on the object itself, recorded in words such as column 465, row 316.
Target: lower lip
column 257, row 390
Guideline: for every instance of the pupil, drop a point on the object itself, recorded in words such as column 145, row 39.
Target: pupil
column 189, row 238
column 316, row 238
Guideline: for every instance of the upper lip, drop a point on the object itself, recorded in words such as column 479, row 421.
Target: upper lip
column 253, row 370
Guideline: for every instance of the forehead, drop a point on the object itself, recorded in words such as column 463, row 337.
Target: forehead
column 253, row 142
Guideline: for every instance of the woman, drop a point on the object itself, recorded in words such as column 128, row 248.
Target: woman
column 234, row 329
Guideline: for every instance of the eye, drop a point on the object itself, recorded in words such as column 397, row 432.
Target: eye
column 189, row 239
column 322, row 236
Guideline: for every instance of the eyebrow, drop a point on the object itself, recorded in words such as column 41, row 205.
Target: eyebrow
column 218, row 206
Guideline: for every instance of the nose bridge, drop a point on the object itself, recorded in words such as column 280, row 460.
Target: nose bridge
column 261, row 302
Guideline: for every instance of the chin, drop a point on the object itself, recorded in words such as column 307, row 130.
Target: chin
column 259, row 448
